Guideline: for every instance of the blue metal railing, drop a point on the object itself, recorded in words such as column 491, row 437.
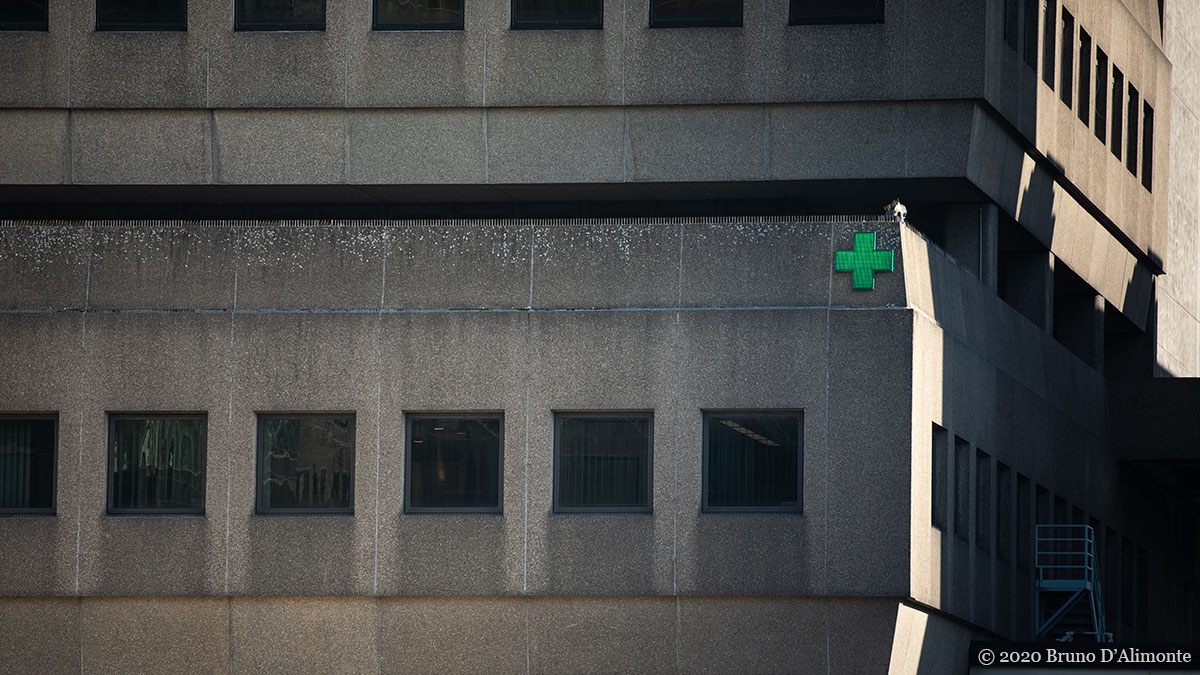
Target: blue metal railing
column 1065, row 565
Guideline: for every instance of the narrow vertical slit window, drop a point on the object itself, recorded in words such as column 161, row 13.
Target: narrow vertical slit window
column 1131, row 135
column 1030, row 33
column 1084, row 109
column 752, row 461
column 25, row 15
column 1049, row 47
column 1024, row 523
column 603, row 462
column 156, row 463
column 1147, row 147
column 168, row 15
column 1010, row 23
column 1100, row 128
column 1066, row 70
column 305, row 463
column 983, row 501
column 939, row 479
column 417, row 15
column 28, row 462
column 1004, row 513
column 1118, row 100
column 962, row 489
column 454, row 463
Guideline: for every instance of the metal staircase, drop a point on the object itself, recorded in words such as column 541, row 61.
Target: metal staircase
column 1068, row 597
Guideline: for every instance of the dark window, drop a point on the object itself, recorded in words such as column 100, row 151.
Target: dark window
column 24, row 15
column 680, row 13
column 418, row 15
column 939, row 478
column 1131, row 138
column 1049, row 24
column 1031, row 33
column 835, row 11
column 28, row 446
column 279, row 15
column 1085, row 77
column 141, row 14
column 1147, row 146
column 1010, row 23
column 557, row 14
column 1067, row 65
column 1024, row 523
column 962, row 488
column 454, row 463
column 1100, row 128
column 156, row 463
column 1127, row 583
column 1004, row 512
column 983, row 501
column 1143, row 591
column 305, row 463
column 602, row 461
column 1118, row 96
column 752, row 461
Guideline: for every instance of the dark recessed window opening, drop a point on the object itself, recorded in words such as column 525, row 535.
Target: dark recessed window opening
column 938, row 480
column 1118, row 96
column 24, row 15
column 279, row 15
column 983, row 501
column 683, row 13
column 557, row 14
column 454, row 463
column 962, row 489
column 753, row 461
column 1049, row 24
column 1131, row 138
column 1030, row 32
column 28, row 447
column 1147, row 146
column 417, row 15
column 1004, row 513
column 1010, row 23
column 305, row 463
column 602, row 461
column 156, row 463
column 834, row 11
column 1100, row 128
column 1085, row 77
column 141, row 14
column 1067, row 59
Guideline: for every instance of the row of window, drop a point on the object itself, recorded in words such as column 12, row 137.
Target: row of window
column 256, row 15
column 958, row 472
column 1093, row 66
column 603, row 461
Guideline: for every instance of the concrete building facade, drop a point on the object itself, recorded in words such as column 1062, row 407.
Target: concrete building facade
column 527, row 223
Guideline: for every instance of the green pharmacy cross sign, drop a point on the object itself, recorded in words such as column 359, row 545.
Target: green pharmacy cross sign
column 864, row 261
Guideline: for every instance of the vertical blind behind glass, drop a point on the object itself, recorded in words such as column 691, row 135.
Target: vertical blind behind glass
column 753, row 461
column 26, row 463
column 604, row 462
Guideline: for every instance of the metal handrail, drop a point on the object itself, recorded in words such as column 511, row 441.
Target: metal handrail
column 1062, row 555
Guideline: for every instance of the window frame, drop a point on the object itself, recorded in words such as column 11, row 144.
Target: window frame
column 794, row 20
column 240, row 25
column 409, row 417
column 52, row 510
column 259, row 510
column 29, row 26
column 559, row 416
column 798, row 414
column 400, row 26
column 698, row 23
column 102, row 27
column 515, row 24
column 113, row 417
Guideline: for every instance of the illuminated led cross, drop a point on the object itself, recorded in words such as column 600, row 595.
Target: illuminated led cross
column 864, row 261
